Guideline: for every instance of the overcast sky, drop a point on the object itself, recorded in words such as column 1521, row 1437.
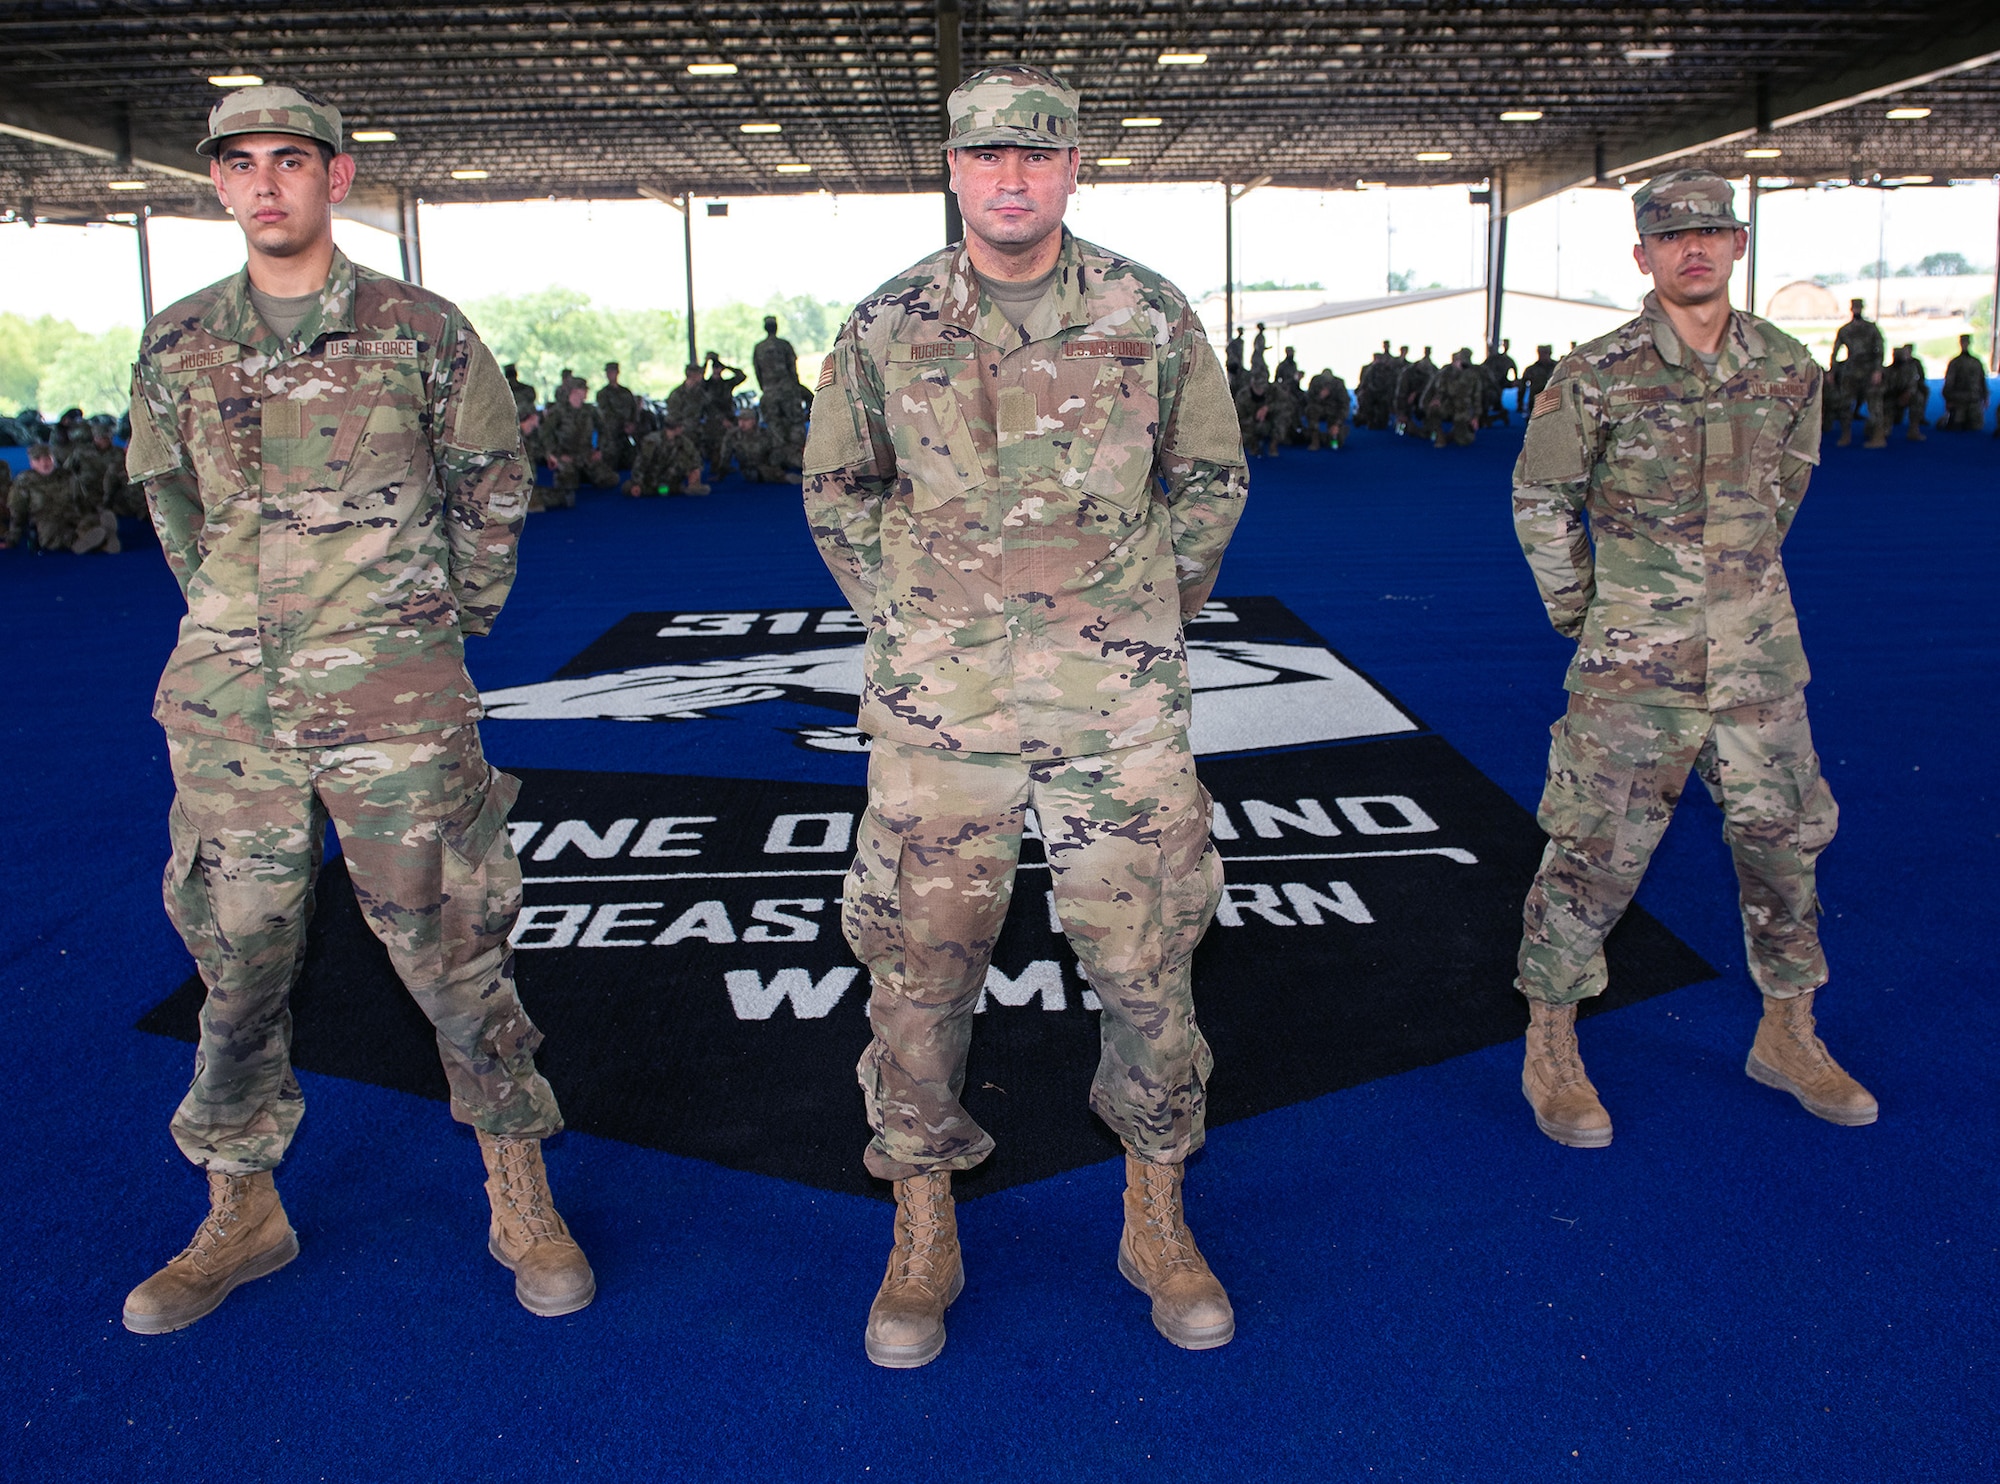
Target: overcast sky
column 627, row 254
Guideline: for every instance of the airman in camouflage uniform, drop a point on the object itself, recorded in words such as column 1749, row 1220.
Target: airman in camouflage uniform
column 773, row 358
column 63, row 513
column 1371, row 396
column 1023, row 470
column 573, row 444
column 1906, row 391
column 99, row 467
column 1413, row 384
column 1965, row 390
column 756, row 452
column 340, row 504
column 1498, row 370
column 1536, row 376
column 1690, row 465
column 688, row 408
column 617, row 420
column 668, row 464
column 1326, row 410
column 1281, row 414
column 786, row 410
column 1456, row 395
column 1857, row 377
column 524, row 395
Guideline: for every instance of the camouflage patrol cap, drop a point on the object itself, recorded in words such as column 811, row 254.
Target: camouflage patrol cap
column 1684, row 201
column 1012, row 104
column 272, row 110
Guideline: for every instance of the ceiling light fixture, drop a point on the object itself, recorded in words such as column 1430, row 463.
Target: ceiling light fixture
column 1434, row 156
column 1183, row 59
column 1910, row 180
column 1520, row 115
column 468, row 174
column 1765, row 153
column 1140, row 123
column 236, row 80
column 1114, row 160
column 1648, row 53
column 760, row 128
column 125, row 185
column 795, row 170
column 711, row 69
column 373, row 136
column 1907, row 113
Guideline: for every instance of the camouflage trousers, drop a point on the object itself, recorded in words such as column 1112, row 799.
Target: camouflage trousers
column 1964, row 414
column 1616, row 771
column 1136, row 882
column 423, row 827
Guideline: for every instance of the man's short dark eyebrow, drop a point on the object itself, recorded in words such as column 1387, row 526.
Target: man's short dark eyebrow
column 239, row 152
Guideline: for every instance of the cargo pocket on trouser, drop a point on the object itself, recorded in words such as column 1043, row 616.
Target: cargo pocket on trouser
column 870, row 908
column 185, row 891
column 1596, row 855
column 1151, row 1087
column 485, row 1038
column 913, row 1069
column 1777, row 851
column 243, row 1104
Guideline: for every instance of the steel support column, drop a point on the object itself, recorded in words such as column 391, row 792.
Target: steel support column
column 1496, row 272
column 1228, row 263
column 408, row 239
column 1993, row 346
column 950, row 67
column 687, row 256
column 1750, row 255
column 145, row 262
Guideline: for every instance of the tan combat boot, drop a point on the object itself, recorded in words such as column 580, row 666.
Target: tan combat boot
column 1789, row 1056
column 1158, row 1257
column 244, row 1236
column 926, row 1273
column 551, row 1276
column 1554, row 1083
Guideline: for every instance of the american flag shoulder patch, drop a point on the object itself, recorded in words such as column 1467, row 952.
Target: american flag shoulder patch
column 1547, row 400
column 825, row 374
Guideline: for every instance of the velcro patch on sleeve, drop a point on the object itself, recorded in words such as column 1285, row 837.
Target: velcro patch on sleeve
column 202, row 360
column 1077, row 350
column 825, row 373
column 1547, row 400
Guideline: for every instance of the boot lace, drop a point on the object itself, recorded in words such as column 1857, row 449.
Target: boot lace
column 225, row 1204
column 1559, row 1046
column 1803, row 1033
column 923, row 1226
column 526, row 1196
column 1159, row 1198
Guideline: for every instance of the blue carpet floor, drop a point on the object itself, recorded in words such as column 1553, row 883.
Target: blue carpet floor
column 1426, row 1287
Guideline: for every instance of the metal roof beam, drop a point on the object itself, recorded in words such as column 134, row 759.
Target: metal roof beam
column 1957, row 50
column 104, row 139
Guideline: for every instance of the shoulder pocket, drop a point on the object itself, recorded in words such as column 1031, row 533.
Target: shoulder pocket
column 148, row 455
column 925, row 388
column 1555, row 450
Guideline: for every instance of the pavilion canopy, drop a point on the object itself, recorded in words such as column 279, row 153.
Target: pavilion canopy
column 610, row 99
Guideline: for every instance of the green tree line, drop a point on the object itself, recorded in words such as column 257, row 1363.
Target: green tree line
column 544, row 331
column 51, row 364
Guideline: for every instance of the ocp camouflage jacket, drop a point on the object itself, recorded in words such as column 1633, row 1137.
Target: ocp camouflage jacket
column 1691, row 480
column 340, row 508
column 1024, row 517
